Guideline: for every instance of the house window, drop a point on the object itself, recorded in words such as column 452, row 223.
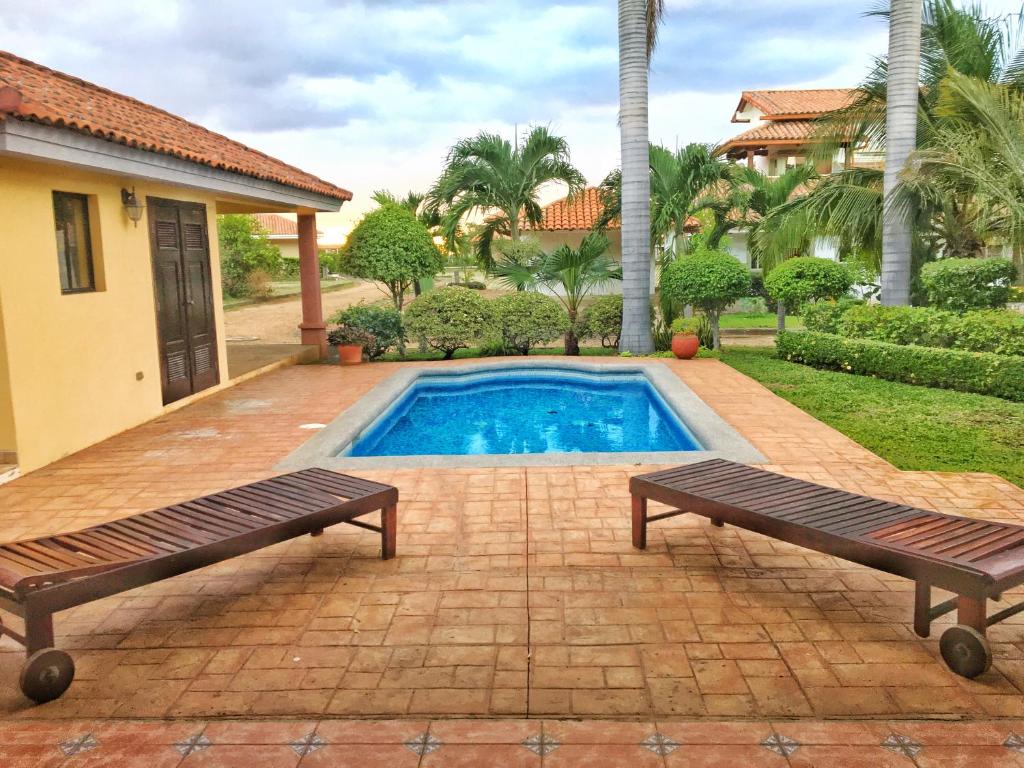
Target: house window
column 74, row 242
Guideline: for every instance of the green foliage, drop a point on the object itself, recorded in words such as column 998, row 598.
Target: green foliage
column 1016, row 294
column 245, row 249
column 383, row 323
column 914, row 428
column 347, row 335
column 709, row 280
column 449, row 319
column 963, row 284
column 526, row 319
column 689, row 325
column 391, row 246
column 982, row 372
column 704, row 332
column 602, row 319
column 825, row 316
column 799, row 281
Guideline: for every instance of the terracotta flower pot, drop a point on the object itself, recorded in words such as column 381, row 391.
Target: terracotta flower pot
column 685, row 345
column 350, row 354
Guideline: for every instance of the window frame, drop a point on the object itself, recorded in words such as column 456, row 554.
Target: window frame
column 89, row 250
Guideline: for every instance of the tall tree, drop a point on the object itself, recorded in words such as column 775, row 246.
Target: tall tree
column 486, row 175
column 638, row 26
column 903, row 64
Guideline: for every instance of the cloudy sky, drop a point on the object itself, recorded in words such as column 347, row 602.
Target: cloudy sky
column 369, row 94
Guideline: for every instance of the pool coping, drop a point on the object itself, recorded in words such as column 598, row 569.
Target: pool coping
column 721, row 441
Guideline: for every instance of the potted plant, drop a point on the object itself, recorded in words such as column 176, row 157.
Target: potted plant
column 350, row 341
column 685, row 341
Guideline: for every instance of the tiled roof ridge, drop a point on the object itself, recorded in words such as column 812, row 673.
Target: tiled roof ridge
column 29, row 109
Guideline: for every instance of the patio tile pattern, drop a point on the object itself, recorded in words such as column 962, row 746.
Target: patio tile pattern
column 515, row 593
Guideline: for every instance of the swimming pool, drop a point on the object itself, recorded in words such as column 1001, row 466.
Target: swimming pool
column 496, row 414
column 526, row 411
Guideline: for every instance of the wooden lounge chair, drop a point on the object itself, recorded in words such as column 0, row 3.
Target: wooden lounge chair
column 975, row 559
column 41, row 576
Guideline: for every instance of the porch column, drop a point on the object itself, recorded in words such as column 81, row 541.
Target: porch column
column 750, row 159
column 314, row 331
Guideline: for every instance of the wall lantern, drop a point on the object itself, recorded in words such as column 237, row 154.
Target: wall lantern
column 132, row 206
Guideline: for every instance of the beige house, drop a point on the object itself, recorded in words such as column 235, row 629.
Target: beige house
column 110, row 301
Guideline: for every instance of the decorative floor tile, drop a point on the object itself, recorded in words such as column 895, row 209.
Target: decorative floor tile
column 307, row 744
column 541, row 744
column 660, row 744
column 192, row 744
column 903, row 745
column 423, row 744
column 79, row 745
column 780, row 745
column 1014, row 742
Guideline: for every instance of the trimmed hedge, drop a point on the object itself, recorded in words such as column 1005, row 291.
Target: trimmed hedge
column 963, row 284
column 981, row 372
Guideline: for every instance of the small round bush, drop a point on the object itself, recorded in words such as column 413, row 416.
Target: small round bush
column 799, row 281
column 384, row 323
column 390, row 245
column 526, row 319
column 602, row 319
column 449, row 319
column 347, row 335
column 710, row 280
column 962, row 284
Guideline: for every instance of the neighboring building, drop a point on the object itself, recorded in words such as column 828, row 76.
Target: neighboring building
column 568, row 221
column 110, row 307
column 782, row 138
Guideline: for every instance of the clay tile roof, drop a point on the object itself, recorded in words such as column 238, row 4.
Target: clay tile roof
column 784, row 132
column 34, row 93
column 582, row 212
column 781, row 105
column 278, row 225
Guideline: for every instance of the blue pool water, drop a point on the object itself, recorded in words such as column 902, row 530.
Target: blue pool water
column 526, row 411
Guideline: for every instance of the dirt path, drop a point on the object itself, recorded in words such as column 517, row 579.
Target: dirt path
column 277, row 322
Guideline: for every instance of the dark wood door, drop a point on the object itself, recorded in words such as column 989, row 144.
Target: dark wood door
column 184, row 297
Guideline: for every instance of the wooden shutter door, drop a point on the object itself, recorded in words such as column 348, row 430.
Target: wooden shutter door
column 169, row 287
column 199, row 297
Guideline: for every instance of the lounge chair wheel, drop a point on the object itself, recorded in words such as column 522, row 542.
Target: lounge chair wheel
column 966, row 651
column 46, row 675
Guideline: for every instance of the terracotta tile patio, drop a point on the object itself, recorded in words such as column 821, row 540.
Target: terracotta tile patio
column 516, row 594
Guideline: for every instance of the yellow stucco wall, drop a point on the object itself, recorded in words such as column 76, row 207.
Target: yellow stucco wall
column 7, row 443
column 289, row 248
column 74, row 359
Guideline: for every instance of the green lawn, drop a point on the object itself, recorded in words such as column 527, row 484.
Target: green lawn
column 739, row 320
column 915, row 428
column 283, row 289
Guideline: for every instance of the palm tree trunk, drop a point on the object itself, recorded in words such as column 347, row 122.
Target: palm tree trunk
column 900, row 140
column 636, row 179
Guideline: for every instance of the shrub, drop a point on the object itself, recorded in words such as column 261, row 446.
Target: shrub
column 390, row 245
column 799, row 281
column 963, row 284
column 1016, row 294
column 602, row 319
column 258, row 284
column 474, row 285
column 989, row 330
column 824, row 316
column 346, row 335
column 384, row 323
column 245, row 249
column 449, row 318
column 923, row 326
column 526, row 319
column 710, row 280
column 982, row 372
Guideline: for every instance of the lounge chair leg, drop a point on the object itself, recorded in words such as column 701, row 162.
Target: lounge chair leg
column 970, row 611
column 717, row 523
column 388, row 532
column 317, row 532
column 922, row 608
column 38, row 630
column 640, row 522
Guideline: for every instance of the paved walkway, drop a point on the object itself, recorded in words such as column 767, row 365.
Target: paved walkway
column 516, row 592
column 277, row 322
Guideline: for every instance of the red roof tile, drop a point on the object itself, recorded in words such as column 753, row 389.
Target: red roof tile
column 773, row 132
column 781, row 105
column 281, row 226
column 582, row 212
column 32, row 92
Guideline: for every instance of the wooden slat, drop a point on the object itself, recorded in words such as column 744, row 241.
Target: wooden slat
column 216, row 526
column 991, row 548
column 922, row 540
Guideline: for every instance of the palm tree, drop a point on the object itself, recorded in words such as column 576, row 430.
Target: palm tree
column 638, row 26
column 849, row 205
column 486, row 174
column 754, row 196
column 902, row 90
column 570, row 274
